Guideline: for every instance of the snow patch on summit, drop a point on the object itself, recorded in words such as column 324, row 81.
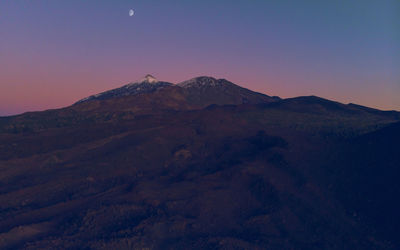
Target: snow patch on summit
column 200, row 81
column 147, row 84
column 149, row 79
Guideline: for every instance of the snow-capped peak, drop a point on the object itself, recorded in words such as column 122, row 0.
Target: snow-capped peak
column 149, row 79
column 200, row 81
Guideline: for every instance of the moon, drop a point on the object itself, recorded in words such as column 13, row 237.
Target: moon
column 131, row 12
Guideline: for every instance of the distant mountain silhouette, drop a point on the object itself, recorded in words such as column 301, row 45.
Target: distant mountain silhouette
column 203, row 164
column 205, row 91
column 201, row 91
column 146, row 85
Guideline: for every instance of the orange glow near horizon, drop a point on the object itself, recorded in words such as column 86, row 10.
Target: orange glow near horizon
column 40, row 93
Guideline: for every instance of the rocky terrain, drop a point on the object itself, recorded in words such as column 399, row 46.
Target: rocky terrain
column 203, row 164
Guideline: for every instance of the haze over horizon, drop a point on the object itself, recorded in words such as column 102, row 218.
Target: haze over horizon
column 55, row 53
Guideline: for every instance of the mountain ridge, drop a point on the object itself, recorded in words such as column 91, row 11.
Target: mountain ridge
column 222, row 90
column 194, row 94
column 164, row 169
column 145, row 85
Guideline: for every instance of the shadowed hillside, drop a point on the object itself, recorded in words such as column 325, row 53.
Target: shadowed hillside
column 173, row 168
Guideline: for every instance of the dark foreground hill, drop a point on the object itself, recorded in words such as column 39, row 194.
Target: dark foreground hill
column 162, row 170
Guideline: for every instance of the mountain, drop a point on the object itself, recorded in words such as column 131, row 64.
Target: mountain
column 369, row 166
column 146, row 85
column 200, row 91
column 207, row 90
column 167, row 169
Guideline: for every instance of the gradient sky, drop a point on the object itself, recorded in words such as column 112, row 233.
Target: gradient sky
column 53, row 53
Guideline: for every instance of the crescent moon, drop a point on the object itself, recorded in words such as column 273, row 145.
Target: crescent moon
column 131, row 12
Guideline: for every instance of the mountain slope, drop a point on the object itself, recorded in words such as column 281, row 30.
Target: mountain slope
column 146, row 85
column 205, row 91
column 209, row 178
column 312, row 114
column 162, row 170
column 373, row 164
column 198, row 179
column 317, row 104
column 200, row 91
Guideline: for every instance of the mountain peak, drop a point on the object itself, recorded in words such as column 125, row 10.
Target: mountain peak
column 147, row 84
column 149, row 79
column 202, row 91
column 199, row 81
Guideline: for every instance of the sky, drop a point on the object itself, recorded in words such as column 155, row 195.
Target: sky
column 53, row 53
